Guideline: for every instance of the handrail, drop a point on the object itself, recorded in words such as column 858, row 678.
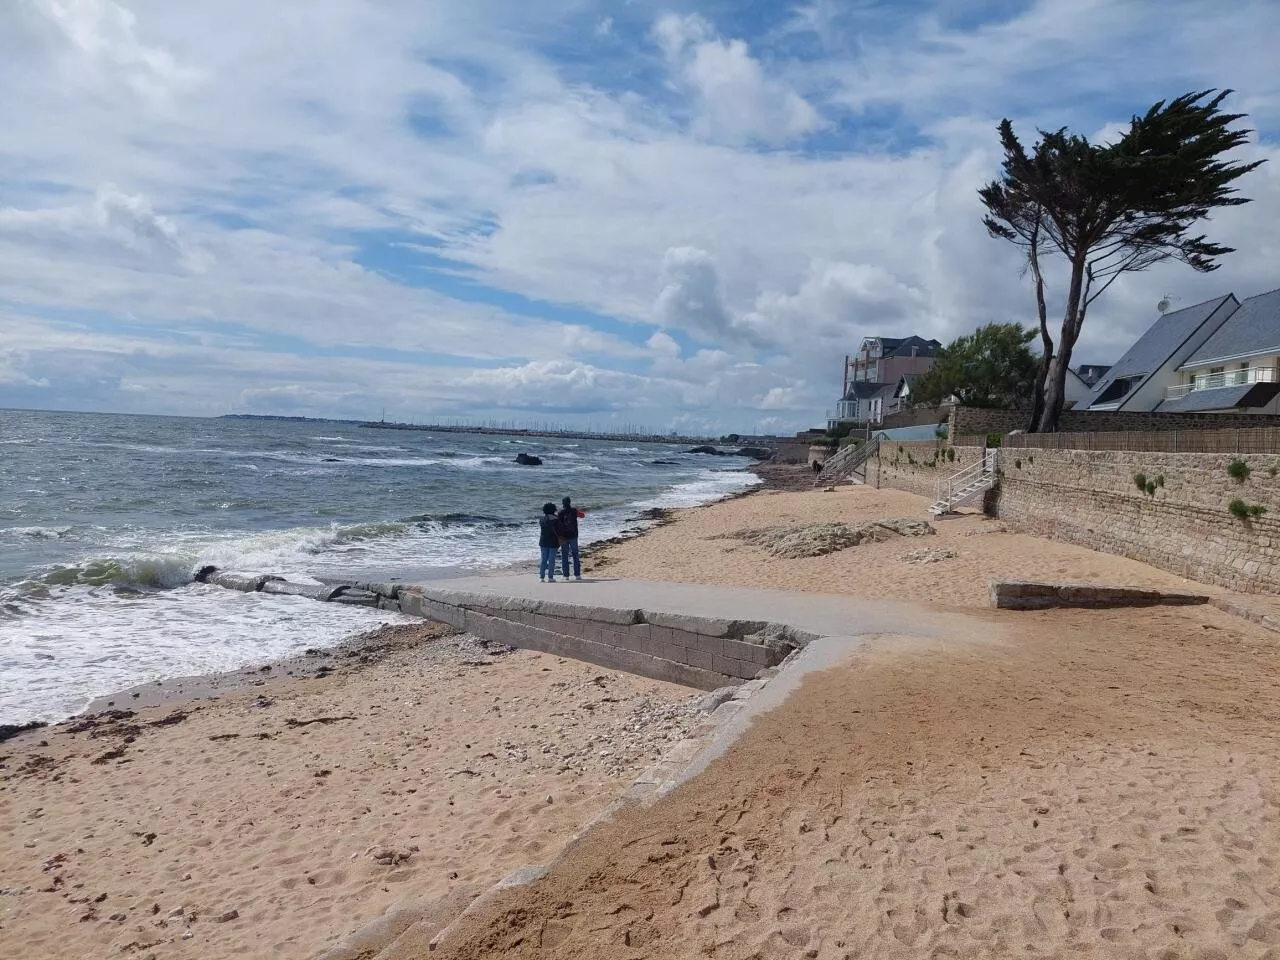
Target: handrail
column 846, row 461
column 945, row 489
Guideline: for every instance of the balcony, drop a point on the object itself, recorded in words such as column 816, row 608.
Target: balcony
column 1225, row 378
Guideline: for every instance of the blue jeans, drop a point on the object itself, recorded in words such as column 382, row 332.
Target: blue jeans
column 547, row 568
column 567, row 549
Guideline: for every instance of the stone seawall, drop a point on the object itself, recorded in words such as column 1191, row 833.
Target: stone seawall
column 699, row 652
column 917, row 466
column 1180, row 521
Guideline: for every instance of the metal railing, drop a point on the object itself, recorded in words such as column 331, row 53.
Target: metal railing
column 846, row 461
column 948, row 490
column 1224, row 378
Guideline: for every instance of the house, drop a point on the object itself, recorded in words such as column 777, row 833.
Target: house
column 874, row 378
column 1218, row 355
column 864, row 402
column 1076, row 388
column 1236, row 368
column 887, row 359
column 1091, row 373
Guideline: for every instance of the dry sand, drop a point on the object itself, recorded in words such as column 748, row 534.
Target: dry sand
column 1107, row 785
column 1101, row 784
column 685, row 551
column 262, row 825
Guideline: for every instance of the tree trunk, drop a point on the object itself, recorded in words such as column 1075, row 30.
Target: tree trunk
column 1037, row 398
column 1046, row 341
column 1055, row 385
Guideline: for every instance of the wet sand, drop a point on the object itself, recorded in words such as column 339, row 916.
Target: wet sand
column 287, row 812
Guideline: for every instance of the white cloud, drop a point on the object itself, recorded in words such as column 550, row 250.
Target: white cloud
column 265, row 163
column 736, row 101
column 664, row 345
column 690, row 297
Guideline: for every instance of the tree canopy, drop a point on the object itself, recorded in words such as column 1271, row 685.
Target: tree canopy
column 1111, row 209
column 991, row 367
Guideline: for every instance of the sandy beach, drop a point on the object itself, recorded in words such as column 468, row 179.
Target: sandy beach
column 1104, row 784
column 697, row 548
column 277, row 818
column 1058, row 784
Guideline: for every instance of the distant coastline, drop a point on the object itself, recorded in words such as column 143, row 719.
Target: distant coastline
column 498, row 431
column 521, row 432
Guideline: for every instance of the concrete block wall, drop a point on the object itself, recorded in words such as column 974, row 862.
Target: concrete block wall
column 695, row 652
column 1090, row 498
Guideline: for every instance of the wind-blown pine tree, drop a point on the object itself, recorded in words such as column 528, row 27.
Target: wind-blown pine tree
column 1111, row 209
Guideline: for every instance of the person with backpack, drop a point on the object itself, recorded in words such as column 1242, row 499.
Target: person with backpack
column 548, row 542
column 567, row 526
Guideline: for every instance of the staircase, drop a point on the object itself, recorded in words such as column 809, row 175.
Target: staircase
column 845, row 464
column 967, row 484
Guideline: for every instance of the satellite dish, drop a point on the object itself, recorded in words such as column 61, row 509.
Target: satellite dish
column 1163, row 306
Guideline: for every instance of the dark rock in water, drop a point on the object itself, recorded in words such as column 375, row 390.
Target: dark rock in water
column 707, row 449
column 8, row 730
column 330, row 460
column 665, row 463
column 755, row 453
column 528, row 460
column 353, row 596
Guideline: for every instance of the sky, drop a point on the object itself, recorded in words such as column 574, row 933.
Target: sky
column 660, row 214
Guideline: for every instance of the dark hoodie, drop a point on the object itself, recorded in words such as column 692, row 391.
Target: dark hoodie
column 547, row 536
column 568, row 520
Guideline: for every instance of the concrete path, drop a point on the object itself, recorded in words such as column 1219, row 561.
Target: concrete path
column 824, row 614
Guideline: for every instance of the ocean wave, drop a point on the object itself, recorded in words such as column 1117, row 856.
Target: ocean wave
column 36, row 533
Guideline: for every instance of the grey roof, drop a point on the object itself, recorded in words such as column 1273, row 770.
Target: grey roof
column 1154, row 348
column 901, row 346
column 864, row 389
column 1091, row 373
column 1223, row 398
column 1254, row 328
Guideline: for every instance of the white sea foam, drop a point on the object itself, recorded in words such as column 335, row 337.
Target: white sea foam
column 53, row 666
column 132, row 613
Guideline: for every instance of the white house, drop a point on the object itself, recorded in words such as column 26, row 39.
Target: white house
column 1220, row 355
column 1236, row 368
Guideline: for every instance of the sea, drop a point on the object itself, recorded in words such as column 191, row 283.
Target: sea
column 104, row 520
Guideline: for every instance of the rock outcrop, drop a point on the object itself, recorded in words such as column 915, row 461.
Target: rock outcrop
column 819, row 539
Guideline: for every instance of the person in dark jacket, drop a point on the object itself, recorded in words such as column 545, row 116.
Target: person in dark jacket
column 549, row 542
column 567, row 520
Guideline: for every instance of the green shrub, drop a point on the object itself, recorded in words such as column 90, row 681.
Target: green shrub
column 1017, row 464
column 993, row 439
column 1160, row 480
column 1238, row 470
column 1245, row 511
column 1271, row 472
column 951, row 458
column 1151, row 488
column 1140, row 481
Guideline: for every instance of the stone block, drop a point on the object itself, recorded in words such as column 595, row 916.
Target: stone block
column 1032, row 595
column 732, row 668
column 699, row 659
column 754, row 653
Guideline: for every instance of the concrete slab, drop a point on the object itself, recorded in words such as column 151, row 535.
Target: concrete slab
column 614, row 600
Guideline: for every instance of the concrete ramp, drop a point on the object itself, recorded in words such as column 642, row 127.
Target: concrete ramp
column 699, row 636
